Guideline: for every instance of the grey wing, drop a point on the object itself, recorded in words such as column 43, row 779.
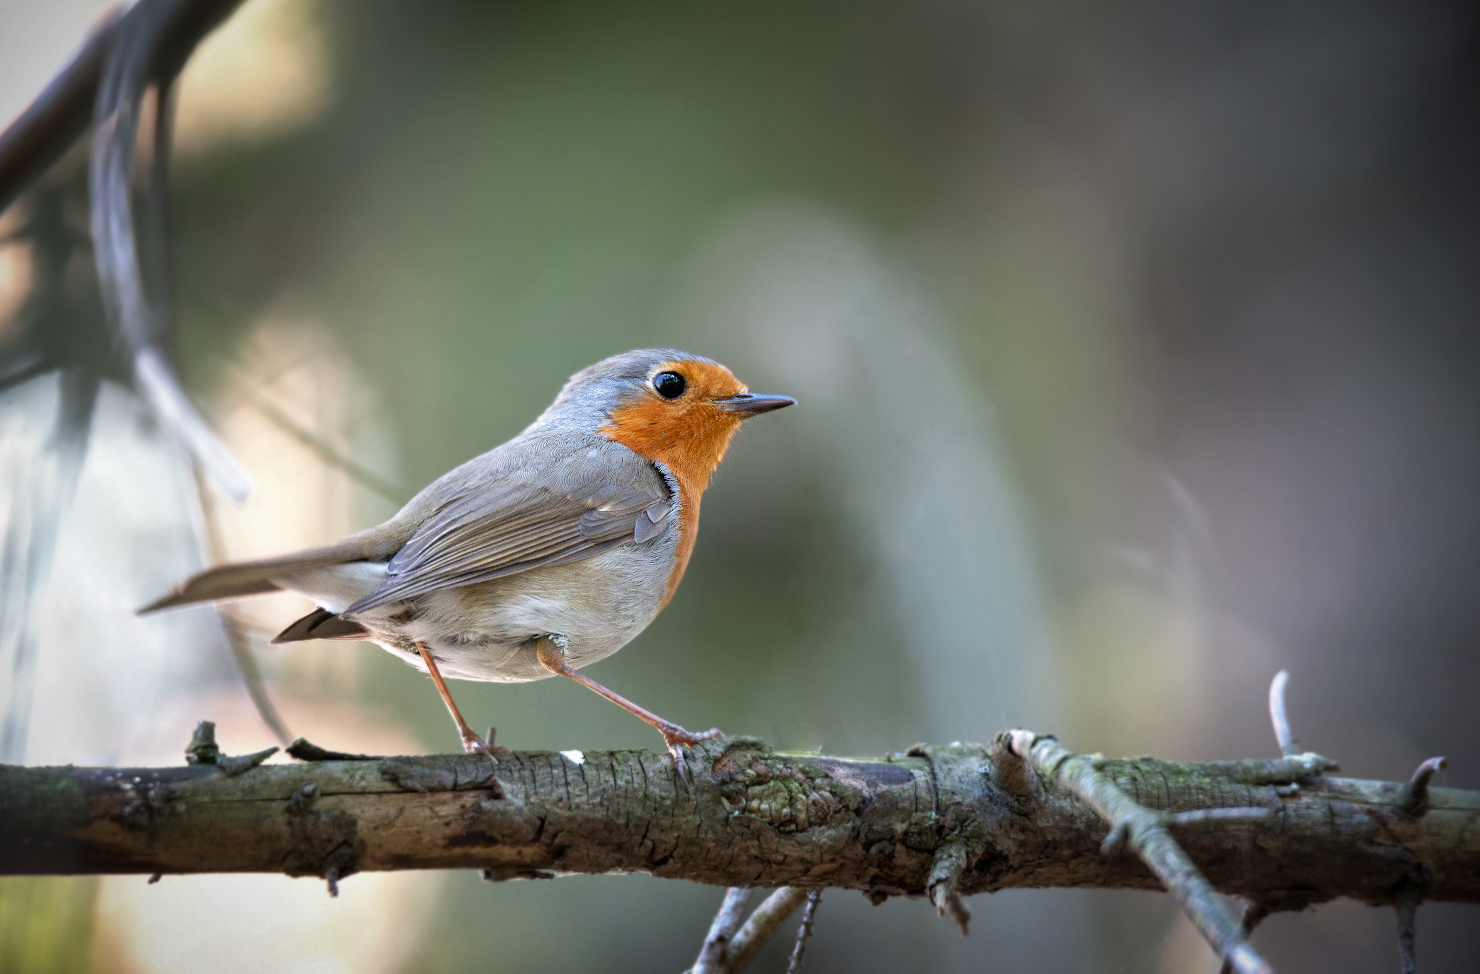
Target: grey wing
column 588, row 503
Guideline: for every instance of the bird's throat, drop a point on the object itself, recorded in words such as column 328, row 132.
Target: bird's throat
column 690, row 446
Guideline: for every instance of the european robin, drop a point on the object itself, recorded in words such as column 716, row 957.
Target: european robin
column 537, row 558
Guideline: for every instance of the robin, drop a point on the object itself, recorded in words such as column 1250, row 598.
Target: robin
column 537, row 558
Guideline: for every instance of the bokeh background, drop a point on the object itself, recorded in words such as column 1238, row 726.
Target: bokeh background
column 1137, row 360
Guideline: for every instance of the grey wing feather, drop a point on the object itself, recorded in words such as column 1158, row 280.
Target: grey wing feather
column 595, row 498
column 652, row 523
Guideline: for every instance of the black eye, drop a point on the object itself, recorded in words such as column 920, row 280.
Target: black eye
column 669, row 385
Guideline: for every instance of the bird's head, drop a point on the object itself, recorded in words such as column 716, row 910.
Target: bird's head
column 666, row 405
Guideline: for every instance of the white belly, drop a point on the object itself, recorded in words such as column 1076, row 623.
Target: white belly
column 487, row 631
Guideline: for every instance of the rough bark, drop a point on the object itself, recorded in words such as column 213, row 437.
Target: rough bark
column 748, row 817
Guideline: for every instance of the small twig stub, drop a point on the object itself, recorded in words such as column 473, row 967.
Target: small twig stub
column 1416, row 792
column 1279, row 715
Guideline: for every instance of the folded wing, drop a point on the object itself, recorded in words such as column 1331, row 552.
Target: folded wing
column 582, row 504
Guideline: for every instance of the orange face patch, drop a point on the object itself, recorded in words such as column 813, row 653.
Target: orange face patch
column 688, row 434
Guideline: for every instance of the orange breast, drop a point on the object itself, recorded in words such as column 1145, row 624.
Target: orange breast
column 687, row 436
column 689, row 496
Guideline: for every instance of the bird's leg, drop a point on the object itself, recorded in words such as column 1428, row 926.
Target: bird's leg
column 472, row 743
column 552, row 657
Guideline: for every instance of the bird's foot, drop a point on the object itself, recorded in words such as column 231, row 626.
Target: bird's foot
column 473, row 744
column 677, row 739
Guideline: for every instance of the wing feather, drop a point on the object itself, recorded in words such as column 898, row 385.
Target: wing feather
column 590, row 500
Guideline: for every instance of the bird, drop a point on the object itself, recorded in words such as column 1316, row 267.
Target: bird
column 539, row 557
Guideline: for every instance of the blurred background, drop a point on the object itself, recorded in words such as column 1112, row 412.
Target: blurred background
column 1136, row 355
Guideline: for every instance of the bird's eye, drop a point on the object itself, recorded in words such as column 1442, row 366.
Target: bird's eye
column 669, row 385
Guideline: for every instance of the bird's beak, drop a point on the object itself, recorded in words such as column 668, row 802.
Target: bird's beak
column 747, row 404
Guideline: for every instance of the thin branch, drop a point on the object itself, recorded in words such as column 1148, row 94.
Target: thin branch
column 946, row 869
column 320, row 447
column 804, row 932
column 1147, row 833
column 726, row 921
column 1254, row 914
column 160, row 281
column 763, row 923
column 1407, row 909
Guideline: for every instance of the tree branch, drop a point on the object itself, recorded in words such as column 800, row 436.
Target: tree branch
column 750, row 817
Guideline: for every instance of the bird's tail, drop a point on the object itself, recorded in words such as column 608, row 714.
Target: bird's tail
column 254, row 577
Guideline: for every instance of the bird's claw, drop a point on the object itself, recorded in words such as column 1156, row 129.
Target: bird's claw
column 473, row 744
column 677, row 739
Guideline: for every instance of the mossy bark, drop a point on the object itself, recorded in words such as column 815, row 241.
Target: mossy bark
column 748, row 816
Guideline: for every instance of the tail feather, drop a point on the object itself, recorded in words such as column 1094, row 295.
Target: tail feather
column 253, row 577
column 321, row 624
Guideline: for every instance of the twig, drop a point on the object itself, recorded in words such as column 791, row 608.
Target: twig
column 1254, row 914
column 1147, row 833
column 946, row 869
column 1280, row 717
column 358, row 472
column 203, row 750
column 160, row 280
column 809, row 914
column 726, row 921
column 764, row 922
column 1416, row 792
column 1407, row 909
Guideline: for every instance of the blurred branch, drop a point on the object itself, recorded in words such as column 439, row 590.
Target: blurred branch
column 134, row 48
column 322, row 449
column 804, row 932
column 39, row 482
column 727, row 920
column 731, row 945
column 760, row 926
column 141, row 56
column 57, row 117
column 60, row 115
